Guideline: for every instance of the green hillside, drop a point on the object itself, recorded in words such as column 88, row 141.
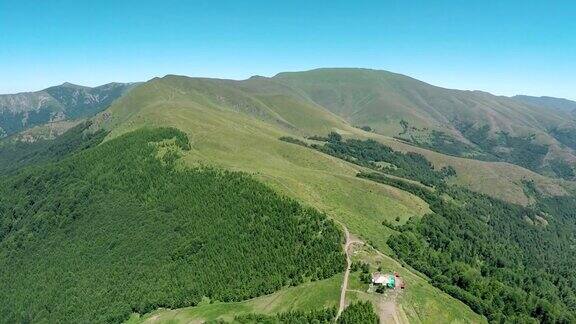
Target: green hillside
column 122, row 228
column 462, row 123
column 210, row 104
column 212, row 169
column 222, row 136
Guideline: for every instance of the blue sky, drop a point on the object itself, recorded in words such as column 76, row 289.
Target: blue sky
column 505, row 47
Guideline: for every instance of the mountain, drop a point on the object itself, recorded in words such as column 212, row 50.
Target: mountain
column 84, row 232
column 559, row 104
column 461, row 123
column 382, row 99
column 289, row 109
column 64, row 102
column 484, row 220
column 197, row 199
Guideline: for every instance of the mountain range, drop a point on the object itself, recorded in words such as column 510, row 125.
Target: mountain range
column 64, row 102
column 538, row 133
column 163, row 204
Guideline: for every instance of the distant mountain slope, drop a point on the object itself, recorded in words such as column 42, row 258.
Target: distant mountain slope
column 559, row 104
column 462, row 123
column 382, row 99
column 225, row 112
column 67, row 101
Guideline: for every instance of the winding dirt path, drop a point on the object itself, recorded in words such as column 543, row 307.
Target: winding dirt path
column 346, row 273
column 349, row 241
column 387, row 308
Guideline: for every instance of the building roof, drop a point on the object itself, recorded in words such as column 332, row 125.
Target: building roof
column 379, row 278
column 383, row 279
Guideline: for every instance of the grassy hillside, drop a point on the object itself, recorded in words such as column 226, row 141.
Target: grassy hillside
column 305, row 297
column 187, row 103
column 381, row 99
column 122, row 227
column 220, row 135
column 238, row 141
column 462, row 123
column 560, row 104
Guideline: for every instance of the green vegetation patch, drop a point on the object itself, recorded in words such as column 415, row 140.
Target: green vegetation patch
column 361, row 312
column 483, row 251
column 322, row 316
column 378, row 156
column 117, row 229
column 16, row 154
column 306, row 297
column 519, row 150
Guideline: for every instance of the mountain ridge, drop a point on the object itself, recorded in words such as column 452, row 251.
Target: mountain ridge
column 67, row 101
column 561, row 104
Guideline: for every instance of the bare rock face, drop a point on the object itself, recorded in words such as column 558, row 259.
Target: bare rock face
column 64, row 102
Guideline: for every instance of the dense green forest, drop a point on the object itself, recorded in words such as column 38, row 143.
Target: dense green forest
column 360, row 312
column 508, row 262
column 321, row 316
column 100, row 232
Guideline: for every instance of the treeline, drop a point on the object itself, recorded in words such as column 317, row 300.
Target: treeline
column 522, row 151
column 438, row 141
column 322, row 316
column 508, row 262
column 501, row 146
column 16, row 154
column 361, row 312
column 118, row 228
column 375, row 155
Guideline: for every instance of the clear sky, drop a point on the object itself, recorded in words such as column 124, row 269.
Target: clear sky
column 505, row 47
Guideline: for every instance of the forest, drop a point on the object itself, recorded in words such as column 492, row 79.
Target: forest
column 508, row 262
column 360, row 312
column 96, row 233
column 377, row 156
column 501, row 146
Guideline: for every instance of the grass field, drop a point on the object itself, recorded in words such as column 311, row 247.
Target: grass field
column 305, row 297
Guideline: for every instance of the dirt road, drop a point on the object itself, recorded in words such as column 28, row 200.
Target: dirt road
column 349, row 241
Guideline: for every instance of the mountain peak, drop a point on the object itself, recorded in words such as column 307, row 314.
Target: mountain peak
column 72, row 85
